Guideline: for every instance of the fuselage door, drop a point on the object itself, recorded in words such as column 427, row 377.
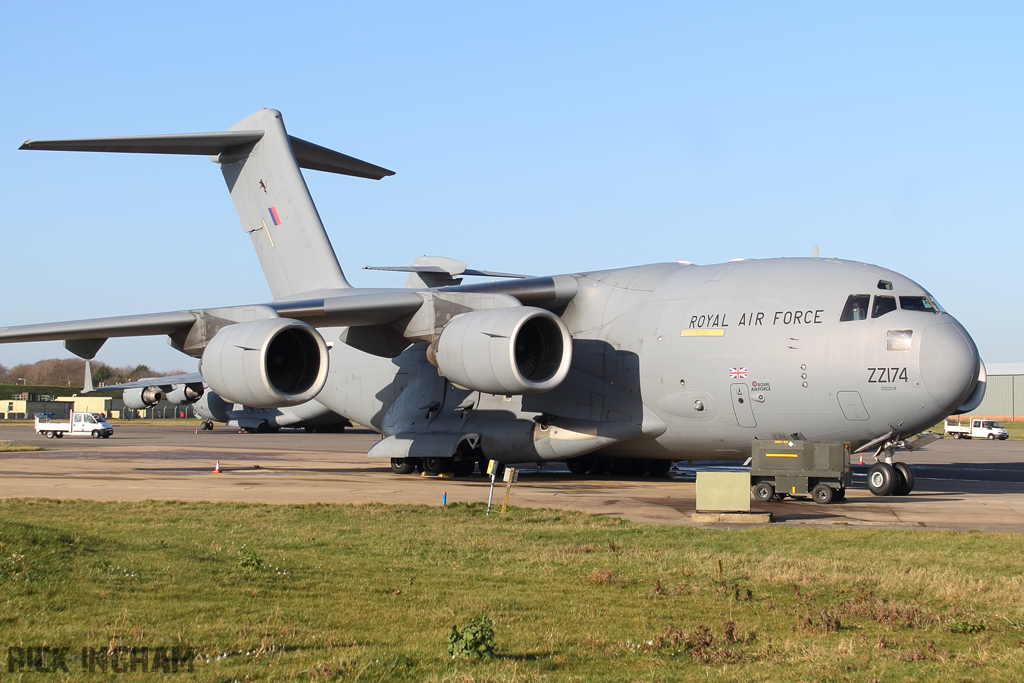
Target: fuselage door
column 741, row 405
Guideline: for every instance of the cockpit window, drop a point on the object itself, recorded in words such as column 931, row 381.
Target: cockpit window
column 884, row 284
column 883, row 305
column 917, row 303
column 936, row 304
column 856, row 307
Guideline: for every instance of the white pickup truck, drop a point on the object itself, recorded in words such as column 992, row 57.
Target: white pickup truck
column 976, row 429
column 81, row 424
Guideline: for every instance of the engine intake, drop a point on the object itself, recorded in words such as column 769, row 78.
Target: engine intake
column 266, row 363
column 521, row 350
column 145, row 397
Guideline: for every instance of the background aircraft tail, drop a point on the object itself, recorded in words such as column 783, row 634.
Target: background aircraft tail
column 260, row 163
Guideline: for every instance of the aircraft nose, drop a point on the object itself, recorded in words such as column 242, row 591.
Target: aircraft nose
column 949, row 363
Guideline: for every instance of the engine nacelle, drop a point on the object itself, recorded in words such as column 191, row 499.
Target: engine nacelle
column 266, row 363
column 210, row 406
column 520, row 350
column 142, row 398
column 185, row 393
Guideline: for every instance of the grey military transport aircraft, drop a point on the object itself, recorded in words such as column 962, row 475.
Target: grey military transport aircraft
column 639, row 365
column 190, row 389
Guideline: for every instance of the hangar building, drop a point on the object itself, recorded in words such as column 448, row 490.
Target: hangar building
column 1004, row 396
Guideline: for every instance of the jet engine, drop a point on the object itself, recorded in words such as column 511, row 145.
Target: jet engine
column 142, row 398
column 266, row 363
column 520, row 350
column 185, row 393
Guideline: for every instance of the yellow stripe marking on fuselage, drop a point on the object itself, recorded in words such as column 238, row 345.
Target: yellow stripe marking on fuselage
column 702, row 333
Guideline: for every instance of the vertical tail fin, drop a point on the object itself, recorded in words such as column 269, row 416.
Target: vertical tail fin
column 277, row 211
column 260, row 163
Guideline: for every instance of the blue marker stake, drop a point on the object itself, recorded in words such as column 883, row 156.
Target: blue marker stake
column 444, row 498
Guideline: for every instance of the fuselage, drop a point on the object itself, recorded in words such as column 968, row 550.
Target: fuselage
column 682, row 361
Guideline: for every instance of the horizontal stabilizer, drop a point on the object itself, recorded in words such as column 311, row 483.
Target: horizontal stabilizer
column 307, row 154
column 317, row 158
column 206, row 144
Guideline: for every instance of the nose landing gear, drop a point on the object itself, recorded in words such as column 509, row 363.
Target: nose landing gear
column 888, row 478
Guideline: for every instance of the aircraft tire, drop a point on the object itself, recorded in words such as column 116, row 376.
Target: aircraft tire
column 579, row 465
column 403, row 465
column 435, row 466
column 822, row 494
column 262, row 428
column 657, row 468
column 763, row 491
column 882, row 479
column 908, row 479
column 464, row 467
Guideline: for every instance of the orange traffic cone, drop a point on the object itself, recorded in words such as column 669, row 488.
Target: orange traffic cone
column 861, row 459
column 216, row 468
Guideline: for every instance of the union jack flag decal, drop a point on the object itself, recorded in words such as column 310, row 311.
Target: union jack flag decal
column 737, row 373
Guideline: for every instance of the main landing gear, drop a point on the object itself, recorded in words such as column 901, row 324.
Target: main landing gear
column 890, row 479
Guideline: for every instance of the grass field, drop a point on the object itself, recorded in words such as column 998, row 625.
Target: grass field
column 372, row 592
column 15, row 447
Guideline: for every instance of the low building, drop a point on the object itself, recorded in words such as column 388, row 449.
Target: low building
column 20, row 409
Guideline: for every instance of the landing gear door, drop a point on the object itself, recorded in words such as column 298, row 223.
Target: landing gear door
column 741, row 405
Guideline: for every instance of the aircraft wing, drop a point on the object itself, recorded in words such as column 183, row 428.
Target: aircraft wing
column 165, row 383
column 358, row 308
column 101, row 328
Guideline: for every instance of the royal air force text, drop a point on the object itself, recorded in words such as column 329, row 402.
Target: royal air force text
column 758, row 318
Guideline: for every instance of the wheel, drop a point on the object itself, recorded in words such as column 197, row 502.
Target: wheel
column 578, row 465
column 956, row 435
column 463, row 467
column 262, row 428
column 436, row 466
column 764, row 491
column 60, row 435
column 95, row 434
column 908, row 478
column 658, row 468
column 822, row 494
column 403, row 465
column 882, row 479
column 991, row 436
column 49, row 435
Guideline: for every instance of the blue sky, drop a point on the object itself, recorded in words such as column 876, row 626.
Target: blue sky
column 527, row 137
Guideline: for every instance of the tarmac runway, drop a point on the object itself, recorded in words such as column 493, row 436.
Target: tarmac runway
column 960, row 484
